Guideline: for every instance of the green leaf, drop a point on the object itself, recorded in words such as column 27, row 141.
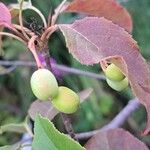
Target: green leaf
column 7, row 148
column 16, row 127
column 48, row 136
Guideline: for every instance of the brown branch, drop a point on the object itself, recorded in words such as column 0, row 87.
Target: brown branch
column 68, row 126
column 116, row 122
column 5, row 71
column 62, row 68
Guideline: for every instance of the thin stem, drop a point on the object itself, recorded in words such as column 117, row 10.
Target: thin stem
column 62, row 68
column 21, row 21
column 32, row 48
column 8, row 70
column 29, row 32
column 48, row 32
column 40, row 14
column 17, row 33
column 50, row 17
column 68, row 126
column 30, row 2
column 29, row 130
column 65, row 118
column 57, row 12
column 116, row 122
column 79, row 72
column 23, row 145
column 13, row 36
column 46, row 55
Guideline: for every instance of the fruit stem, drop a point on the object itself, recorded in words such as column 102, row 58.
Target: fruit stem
column 31, row 46
column 68, row 125
column 58, row 10
column 65, row 117
column 46, row 56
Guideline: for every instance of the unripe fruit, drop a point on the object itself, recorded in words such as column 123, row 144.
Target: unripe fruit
column 118, row 85
column 114, row 73
column 67, row 101
column 44, row 84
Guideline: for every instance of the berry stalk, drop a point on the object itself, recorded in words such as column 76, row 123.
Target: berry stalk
column 65, row 117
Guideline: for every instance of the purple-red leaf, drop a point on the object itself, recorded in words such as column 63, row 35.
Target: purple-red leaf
column 116, row 139
column 93, row 40
column 85, row 94
column 46, row 109
column 109, row 9
column 5, row 16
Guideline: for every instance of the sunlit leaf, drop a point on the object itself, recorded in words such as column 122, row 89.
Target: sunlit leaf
column 92, row 40
column 48, row 136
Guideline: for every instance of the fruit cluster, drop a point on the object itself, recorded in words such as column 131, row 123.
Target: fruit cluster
column 115, row 78
column 44, row 86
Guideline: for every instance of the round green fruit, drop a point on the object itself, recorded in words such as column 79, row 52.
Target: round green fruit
column 118, row 85
column 67, row 101
column 114, row 73
column 44, row 84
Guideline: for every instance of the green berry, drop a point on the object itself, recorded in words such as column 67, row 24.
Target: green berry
column 44, row 84
column 114, row 73
column 67, row 101
column 118, row 85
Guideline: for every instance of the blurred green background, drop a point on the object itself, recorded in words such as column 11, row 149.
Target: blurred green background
column 101, row 106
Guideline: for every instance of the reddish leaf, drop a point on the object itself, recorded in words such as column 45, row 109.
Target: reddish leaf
column 85, row 94
column 116, row 139
column 44, row 108
column 1, row 51
column 109, row 9
column 92, row 40
column 47, row 110
column 5, row 16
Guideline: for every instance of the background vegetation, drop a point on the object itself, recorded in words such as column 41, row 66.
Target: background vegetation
column 103, row 104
